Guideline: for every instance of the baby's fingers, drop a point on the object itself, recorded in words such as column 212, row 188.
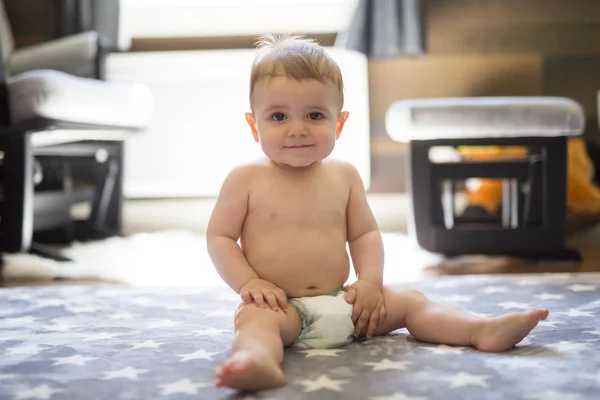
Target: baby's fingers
column 258, row 299
column 282, row 299
column 373, row 322
column 361, row 323
column 245, row 295
column 271, row 301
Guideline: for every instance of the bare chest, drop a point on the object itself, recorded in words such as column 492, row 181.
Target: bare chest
column 311, row 203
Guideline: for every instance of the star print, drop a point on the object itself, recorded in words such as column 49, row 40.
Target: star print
column 163, row 323
column 577, row 313
column 322, row 382
column 398, row 396
column 182, row 305
column 457, row 298
column 388, row 364
column 570, row 346
column 126, row 373
column 550, row 296
column 41, row 303
column 59, row 327
column 101, row 336
column 43, row 392
column 554, row 395
column 442, row 285
column 211, row 332
column 73, row 360
column 82, row 309
column 495, row 289
column 596, row 332
column 148, row 344
column 514, row 304
column 550, row 323
column 322, row 352
column 582, row 288
column 443, row 349
column 221, row 312
column 6, row 376
column 123, row 315
column 517, row 362
column 464, row 379
column 19, row 321
column 31, row 350
column 184, row 386
column 528, row 282
column 198, row 355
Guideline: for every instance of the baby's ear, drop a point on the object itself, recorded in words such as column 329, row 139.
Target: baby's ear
column 340, row 123
column 252, row 124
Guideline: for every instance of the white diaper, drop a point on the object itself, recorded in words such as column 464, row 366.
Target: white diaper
column 326, row 321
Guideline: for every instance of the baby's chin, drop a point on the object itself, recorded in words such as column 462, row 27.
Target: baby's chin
column 297, row 165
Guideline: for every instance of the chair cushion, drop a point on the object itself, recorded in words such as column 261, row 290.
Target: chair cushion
column 60, row 96
column 483, row 117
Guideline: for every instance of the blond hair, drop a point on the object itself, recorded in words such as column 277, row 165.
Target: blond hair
column 296, row 57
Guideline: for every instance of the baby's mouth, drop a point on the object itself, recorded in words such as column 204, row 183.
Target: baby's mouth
column 300, row 146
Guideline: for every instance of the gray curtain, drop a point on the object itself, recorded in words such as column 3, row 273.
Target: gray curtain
column 386, row 29
column 75, row 16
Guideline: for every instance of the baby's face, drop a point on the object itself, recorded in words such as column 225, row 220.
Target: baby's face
column 296, row 122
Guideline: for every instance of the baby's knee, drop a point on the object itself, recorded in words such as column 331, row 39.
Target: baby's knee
column 249, row 314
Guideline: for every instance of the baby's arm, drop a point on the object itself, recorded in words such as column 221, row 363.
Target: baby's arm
column 364, row 238
column 224, row 229
column 366, row 250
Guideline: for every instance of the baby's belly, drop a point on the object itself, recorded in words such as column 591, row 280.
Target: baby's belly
column 302, row 262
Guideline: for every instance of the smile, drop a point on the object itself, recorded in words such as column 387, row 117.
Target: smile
column 303, row 146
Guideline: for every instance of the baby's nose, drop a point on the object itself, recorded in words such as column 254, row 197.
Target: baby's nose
column 297, row 129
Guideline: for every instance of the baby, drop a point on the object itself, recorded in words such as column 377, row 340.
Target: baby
column 294, row 212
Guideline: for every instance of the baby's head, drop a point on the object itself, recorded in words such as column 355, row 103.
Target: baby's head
column 296, row 97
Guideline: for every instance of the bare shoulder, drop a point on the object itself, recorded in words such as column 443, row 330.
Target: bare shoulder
column 245, row 172
column 344, row 169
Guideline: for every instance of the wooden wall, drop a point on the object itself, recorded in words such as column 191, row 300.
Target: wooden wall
column 489, row 48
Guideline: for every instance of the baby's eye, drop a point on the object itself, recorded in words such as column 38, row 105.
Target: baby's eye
column 315, row 115
column 278, row 116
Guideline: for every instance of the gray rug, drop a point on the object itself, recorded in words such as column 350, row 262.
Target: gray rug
column 108, row 342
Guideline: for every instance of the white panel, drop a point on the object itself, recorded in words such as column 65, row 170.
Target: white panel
column 198, row 132
column 184, row 18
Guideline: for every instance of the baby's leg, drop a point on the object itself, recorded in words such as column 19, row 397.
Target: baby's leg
column 257, row 350
column 432, row 322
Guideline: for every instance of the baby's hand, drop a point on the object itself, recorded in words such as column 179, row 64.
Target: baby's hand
column 368, row 306
column 261, row 292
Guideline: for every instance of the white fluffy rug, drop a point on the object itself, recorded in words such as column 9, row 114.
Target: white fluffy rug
column 176, row 258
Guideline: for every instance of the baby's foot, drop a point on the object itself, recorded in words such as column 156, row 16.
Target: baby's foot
column 246, row 371
column 502, row 333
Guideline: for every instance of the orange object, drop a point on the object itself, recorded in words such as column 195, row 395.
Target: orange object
column 583, row 196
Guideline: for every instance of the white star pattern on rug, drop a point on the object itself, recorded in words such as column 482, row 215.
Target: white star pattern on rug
column 122, row 315
column 550, row 296
column 516, row 362
column 72, row 360
column 386, row 364
column 577, row 313
column 163, row 323
column 514, row 304
column 125, row 373
column 211, row 331
column 570, row 346
column 322, row 352
column 198, row 355
column 129, row 359
column 322, row 382
column 465, row 379
column 553, row 395
column 398, row 396
column 443, row 349
column 43, row 392
column 19, row 321
column 582, row 288
column 220, row 312
column 495, row 289
column 148, row 344
column 457, row 298
column 184, row 386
